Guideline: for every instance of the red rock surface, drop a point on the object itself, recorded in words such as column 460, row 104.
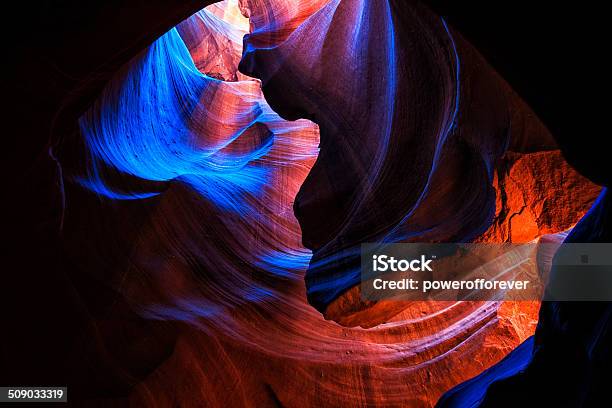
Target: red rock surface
column 537, row 193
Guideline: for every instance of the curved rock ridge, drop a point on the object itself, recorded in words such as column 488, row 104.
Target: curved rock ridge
column 410, row 134
column 420, row 139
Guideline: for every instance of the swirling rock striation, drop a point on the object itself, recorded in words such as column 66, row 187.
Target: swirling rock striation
column 197, row 176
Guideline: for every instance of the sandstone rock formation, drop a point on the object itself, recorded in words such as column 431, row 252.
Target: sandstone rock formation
column 186, row 221
column 235, row 283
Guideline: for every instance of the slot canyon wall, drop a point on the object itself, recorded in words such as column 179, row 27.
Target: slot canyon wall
column 220, row 181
